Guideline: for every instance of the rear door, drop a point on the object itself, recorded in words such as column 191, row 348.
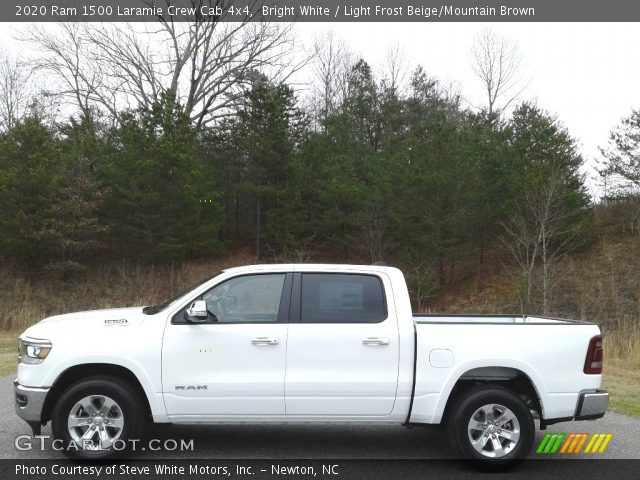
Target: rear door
column 342, row 347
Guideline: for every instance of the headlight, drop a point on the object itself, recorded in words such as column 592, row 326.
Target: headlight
column 33, row 350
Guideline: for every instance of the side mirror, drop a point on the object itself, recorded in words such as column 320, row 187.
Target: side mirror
column 197, row 311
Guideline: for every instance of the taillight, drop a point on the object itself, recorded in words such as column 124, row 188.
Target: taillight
column 593, row 362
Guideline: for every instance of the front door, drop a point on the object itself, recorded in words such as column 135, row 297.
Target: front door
column 234, row 362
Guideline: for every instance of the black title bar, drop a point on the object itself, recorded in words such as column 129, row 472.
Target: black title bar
column 321, row 10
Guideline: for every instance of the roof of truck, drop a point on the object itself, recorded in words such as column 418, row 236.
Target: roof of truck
column 314, row 267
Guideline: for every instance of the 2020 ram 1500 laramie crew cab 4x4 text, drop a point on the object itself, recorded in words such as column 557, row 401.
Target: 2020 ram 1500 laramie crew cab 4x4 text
column 306, row 343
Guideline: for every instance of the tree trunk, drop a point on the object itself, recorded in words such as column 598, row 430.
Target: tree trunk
column 258, row 226
column 545, row 277
column 441, row 271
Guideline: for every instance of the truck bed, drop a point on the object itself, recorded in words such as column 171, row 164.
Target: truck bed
column 549, row 352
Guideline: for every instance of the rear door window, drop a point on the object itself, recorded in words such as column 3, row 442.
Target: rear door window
column 342, row 298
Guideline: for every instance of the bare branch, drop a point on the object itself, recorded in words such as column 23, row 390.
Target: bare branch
column 540, row 234
column 395, row 70
column 331, row 66
column 206, row 64
column 496, row 62
column 16, row 91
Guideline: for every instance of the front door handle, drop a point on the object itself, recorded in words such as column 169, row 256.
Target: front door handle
column 265, row 341
column 375, row 341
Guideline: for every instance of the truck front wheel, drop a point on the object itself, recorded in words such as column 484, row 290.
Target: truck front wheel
column 491, row 424
column 97, row 418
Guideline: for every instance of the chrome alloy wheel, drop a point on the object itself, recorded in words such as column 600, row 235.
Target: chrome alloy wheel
column 95, row 422
column 494, row 430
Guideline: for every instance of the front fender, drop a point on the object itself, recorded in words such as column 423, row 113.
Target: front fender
column 37, row 376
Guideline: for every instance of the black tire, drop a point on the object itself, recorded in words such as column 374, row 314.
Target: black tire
column 467, row 403
column 127, row 400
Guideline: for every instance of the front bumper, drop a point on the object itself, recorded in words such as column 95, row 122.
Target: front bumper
column 592, row 405
column 29, row 402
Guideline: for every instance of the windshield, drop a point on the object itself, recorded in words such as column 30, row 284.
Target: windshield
column 153, row 309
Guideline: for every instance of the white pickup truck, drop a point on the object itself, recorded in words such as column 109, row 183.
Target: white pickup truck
column 306, row 343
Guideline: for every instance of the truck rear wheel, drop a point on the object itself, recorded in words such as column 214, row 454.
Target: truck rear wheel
column 97, row 418
column 491, row 424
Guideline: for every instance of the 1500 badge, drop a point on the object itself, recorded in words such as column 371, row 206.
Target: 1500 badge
column 118, row 321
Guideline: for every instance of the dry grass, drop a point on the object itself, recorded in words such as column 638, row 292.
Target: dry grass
column 8, row 353
column 623, row 381
column 622, row 368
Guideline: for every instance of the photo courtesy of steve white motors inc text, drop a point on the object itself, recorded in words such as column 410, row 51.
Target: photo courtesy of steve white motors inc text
column 163, row 468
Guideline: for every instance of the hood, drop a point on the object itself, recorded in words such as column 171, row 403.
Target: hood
column 101, row 320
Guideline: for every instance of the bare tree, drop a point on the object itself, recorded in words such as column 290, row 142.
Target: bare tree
column 16, row 91
column 331, row 63
column 424, row 284
column 206, row 64
column 539, row 236
column 395, row 69
column 521, row 243
column 67, row 60
column 375, row 230
column 496, row 62
column 633, row 214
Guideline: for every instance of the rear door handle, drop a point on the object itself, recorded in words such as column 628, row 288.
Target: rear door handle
column 265, row 341
column 375, row 341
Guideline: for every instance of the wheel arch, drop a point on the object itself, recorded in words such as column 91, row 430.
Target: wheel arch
column 512, row 378
column 83, row 371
